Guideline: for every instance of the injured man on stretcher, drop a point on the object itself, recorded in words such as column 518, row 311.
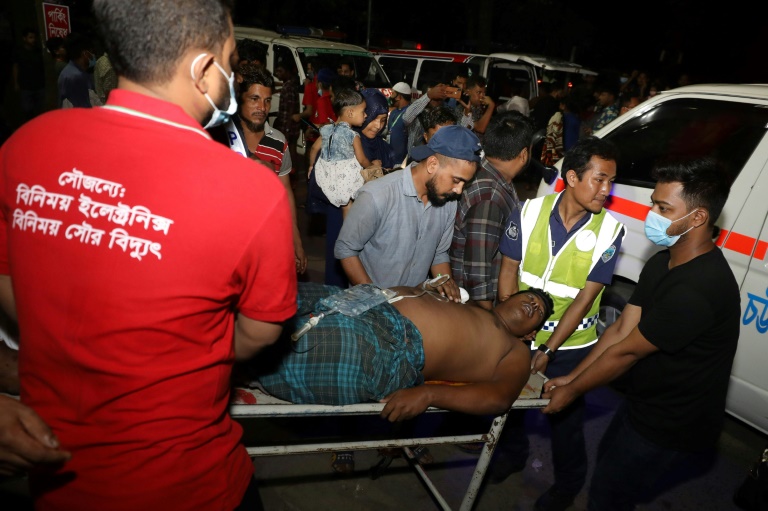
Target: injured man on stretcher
column 388, row 352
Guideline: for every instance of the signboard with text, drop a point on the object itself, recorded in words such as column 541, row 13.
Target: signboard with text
column 57, row 21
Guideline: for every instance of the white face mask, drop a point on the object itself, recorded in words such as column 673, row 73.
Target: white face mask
column 218, row 116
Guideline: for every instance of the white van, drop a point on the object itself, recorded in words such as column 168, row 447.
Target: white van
column 418, row 67
column 299, row 49
column 730, row 123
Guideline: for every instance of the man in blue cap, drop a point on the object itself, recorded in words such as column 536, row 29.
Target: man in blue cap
column 399, row 228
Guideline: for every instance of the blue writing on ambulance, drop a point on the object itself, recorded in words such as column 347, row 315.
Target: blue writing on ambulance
column 752, row 314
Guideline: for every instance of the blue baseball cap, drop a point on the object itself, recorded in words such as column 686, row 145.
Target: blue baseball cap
column 326, row 75
column 451, row 141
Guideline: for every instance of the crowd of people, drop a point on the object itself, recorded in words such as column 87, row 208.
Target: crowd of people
column 125, row 326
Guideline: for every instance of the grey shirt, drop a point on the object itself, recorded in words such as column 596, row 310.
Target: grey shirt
column 396, row 236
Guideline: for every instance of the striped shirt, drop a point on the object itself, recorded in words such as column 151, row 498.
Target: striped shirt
column 272, row 148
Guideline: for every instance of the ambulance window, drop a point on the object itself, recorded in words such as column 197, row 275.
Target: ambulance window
column 686, row 129
column 398, row 69
column 283, row 56
column 503, row 76
column 431, row 73
column 368, row 71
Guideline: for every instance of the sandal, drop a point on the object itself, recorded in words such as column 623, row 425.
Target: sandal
column 422, row 455
column 343, row 462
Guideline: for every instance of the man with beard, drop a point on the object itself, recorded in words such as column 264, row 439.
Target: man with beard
column 249, row 134
column 566, row 244
column 399, row 229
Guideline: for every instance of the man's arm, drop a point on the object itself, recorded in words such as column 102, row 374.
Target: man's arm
column 628, row 320
column 360, row 224
column 464, row 114
column 612, row 362
column 484, row 224
column 25, row 439
column 571, row 318
column 9, row 370
column 298, row 247
column 482, row 123
column 7, row 300
column 412, row 112
column 252, row 336
column 313, row 151
column 9, row 358
column 441, row 262
column 449, row 289
column 355, row 271
column 493, row 397
column 508, row 284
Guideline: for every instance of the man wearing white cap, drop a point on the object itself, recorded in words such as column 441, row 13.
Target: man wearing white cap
column 396, row 128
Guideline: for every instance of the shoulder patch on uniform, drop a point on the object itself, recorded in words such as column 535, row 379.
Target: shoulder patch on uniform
column 608, row 254
column 512, row 231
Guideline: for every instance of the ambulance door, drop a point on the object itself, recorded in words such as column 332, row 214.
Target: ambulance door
column 748, row 390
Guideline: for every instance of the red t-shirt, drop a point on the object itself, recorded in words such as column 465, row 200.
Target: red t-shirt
column 323, row 111
column 131, row 243
column 310, row 92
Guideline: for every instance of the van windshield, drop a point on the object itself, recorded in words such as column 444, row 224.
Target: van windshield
column 367, row 70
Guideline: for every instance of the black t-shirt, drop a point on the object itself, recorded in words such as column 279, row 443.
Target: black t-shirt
column 31, row 68
column 691, row 313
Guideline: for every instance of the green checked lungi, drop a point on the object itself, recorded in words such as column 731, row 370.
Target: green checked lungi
column 345, row 360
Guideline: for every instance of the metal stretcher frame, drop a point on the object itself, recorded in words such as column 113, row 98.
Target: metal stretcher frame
column 249, row 403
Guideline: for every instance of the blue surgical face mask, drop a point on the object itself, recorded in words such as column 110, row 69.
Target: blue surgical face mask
column 92, row 61
column 219, row 116
column 656, row 229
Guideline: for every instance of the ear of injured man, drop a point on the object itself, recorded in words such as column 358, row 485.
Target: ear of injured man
column 388, row 352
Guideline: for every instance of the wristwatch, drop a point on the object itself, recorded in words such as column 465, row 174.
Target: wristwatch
column 548, row 352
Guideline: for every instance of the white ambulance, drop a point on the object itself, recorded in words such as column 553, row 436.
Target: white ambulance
column 730, row 123
column 501, row 70
column 299, row 49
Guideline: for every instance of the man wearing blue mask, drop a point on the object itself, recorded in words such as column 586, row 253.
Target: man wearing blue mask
column 141, row 259
column 675, row 340
column 75, row 80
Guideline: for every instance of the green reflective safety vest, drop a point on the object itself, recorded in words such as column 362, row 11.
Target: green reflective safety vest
column 564, row 274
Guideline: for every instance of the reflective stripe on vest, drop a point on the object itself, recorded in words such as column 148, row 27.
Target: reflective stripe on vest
column 549, row 326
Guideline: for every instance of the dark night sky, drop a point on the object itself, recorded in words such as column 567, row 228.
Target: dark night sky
column 712, row 43
column 723, row 42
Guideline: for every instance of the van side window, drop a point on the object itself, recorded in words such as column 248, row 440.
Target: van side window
column 398, row 69
column 368, row 71
column 432, row 72
column 282, row 54
column 686, row 129
column 502, row 76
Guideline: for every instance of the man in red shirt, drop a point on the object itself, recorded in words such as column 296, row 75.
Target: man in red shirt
column 138, row 272
column 324, row 113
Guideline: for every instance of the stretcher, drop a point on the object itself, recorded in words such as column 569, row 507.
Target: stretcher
column 254, row 402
